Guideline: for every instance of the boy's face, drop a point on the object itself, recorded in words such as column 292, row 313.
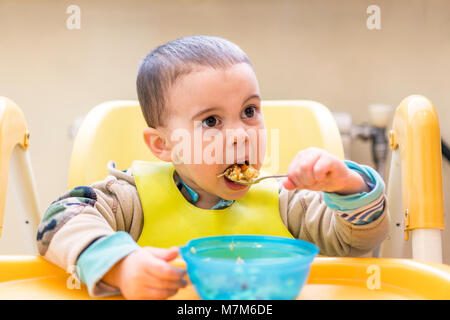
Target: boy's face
column 223, row 104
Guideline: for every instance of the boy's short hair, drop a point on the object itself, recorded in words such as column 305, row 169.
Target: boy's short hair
column 162, row 67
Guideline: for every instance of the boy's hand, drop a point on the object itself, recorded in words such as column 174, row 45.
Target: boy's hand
column 317, row 169
column 147, row 274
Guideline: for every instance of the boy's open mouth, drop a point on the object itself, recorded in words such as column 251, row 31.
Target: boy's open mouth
column 239, row 172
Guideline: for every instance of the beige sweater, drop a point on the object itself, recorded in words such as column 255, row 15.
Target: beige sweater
column 85, row 214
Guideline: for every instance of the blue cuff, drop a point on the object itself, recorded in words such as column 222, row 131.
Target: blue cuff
column 354, row 201
column 102, row 255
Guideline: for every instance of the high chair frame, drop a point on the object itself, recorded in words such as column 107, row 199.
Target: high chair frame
column 15, row 163
column 415, row 183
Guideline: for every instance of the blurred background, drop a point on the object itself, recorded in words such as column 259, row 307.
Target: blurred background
column 320, row 50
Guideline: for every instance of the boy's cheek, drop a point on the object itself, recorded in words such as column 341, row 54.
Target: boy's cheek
column 204, row 172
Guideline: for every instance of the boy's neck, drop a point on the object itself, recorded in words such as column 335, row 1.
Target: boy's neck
column 205, row 200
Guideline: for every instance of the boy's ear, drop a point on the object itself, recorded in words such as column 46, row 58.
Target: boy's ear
column 157, row 144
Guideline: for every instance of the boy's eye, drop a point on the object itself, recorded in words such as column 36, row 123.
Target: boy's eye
column 210, row 122
column 249, row 112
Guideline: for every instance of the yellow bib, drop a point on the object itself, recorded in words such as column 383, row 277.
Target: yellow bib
column 170, row 220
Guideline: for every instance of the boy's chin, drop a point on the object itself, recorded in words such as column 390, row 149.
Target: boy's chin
column 235, row 195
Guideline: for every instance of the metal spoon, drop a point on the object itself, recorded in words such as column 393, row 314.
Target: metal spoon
column 256, row 180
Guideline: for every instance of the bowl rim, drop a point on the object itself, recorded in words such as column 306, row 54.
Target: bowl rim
column 312, row 251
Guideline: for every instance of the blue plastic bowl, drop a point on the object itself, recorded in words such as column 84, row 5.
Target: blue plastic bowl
column 248, row 266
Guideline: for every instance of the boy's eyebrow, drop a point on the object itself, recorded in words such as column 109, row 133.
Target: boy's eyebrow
column 253, row 96
column 198, row 114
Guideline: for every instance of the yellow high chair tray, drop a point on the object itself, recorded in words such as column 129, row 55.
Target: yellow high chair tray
column 32, row 277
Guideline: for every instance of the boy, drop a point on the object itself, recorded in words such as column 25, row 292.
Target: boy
column 123, row 232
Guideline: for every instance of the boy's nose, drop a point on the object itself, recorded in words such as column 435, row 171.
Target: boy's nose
column 236, row 137
column 238, row 145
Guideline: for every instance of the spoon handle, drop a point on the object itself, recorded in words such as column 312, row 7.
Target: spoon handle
column 274, row 176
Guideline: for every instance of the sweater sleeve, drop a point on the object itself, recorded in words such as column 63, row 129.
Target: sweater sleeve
column 360, row 208
column 89, row 217
column 100, row 257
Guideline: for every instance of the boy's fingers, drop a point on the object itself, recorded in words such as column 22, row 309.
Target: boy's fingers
column 306, row 169
column 165, row 254
column 293, row 175
column 322, row 168
column 300, row 171
column 305, row 175
column 288, row 184
column 159, row 283
column 163, row 270
column 157, row 294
